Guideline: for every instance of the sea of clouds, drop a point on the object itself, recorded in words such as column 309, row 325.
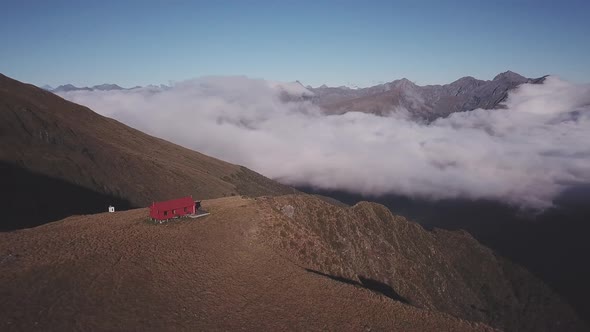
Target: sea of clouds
column 525, row 154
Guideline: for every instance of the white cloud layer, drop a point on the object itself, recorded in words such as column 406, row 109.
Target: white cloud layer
column 525, row 154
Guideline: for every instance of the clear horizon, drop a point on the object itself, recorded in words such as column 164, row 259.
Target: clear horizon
column 332, row 42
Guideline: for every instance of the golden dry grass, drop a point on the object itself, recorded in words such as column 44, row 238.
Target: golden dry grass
column 118, row 272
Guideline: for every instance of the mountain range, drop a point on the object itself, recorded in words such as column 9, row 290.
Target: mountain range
column 422, row 102
column 70, row 87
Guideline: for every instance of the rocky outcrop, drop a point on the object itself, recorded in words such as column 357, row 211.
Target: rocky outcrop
column 440, row 270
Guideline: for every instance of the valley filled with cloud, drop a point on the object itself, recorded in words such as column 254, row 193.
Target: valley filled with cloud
column 525, row 154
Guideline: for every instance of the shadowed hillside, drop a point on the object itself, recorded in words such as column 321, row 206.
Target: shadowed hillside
column 44, row 134
column 31, row 199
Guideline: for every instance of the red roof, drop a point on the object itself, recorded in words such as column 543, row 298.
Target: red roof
column 174, row 203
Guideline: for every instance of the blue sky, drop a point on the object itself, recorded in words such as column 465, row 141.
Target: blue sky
column 333, row 42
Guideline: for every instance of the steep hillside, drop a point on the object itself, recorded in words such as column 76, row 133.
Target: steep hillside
column 441, row 270
column 119, row 272
column 550, row 244
column 424, row 102
column 46, row 139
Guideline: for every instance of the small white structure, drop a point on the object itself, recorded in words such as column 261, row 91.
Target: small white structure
column 111, row 208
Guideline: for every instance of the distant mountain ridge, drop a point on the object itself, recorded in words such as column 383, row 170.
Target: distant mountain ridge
column 71, row 87
column 425, row 102
column 107, row 87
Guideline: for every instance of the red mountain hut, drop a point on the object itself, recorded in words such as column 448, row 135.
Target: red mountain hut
column 176, row 208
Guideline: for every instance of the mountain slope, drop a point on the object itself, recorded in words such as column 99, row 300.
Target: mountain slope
column 550, row 244
column 288, row 262
column 425, row 102
column 440, row 270
column 50, row 139
column 119, row 272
